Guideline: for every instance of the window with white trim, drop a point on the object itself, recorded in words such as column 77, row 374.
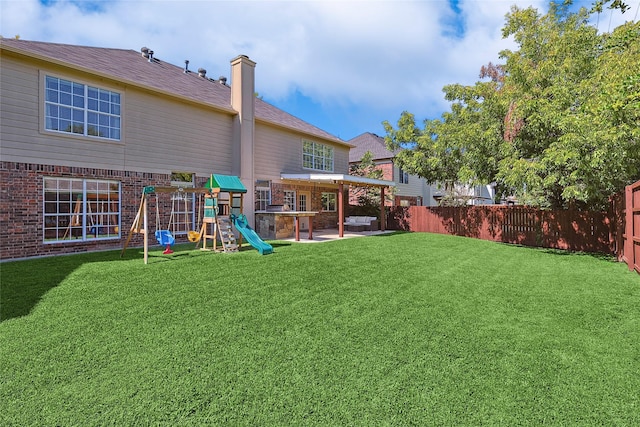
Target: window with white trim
column 263, row 195
column 317, row 156
column 80, row 209
column 329, row 202
column 80, row 109
column 182, row 204
column 403, row 176
column 290, row 199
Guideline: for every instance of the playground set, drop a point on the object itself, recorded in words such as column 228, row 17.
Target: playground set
column 220, row 204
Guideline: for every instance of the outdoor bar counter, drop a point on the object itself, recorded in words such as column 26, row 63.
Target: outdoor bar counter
column 283, row 224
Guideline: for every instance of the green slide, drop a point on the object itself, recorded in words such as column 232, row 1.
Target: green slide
column 240, row 222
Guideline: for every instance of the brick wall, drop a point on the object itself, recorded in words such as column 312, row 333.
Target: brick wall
column 21, row 207
column 322, row 220
column 21, row 216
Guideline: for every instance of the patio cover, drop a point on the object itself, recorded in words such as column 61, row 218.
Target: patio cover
column 341, row 179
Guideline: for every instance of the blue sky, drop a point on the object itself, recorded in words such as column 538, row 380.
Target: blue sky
column 343, row 66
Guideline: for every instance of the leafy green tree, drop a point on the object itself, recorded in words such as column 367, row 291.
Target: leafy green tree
column 556, row 125
column 368, row 197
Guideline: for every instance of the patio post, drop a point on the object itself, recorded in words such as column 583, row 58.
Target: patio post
column 382, row 216
column 340, row 209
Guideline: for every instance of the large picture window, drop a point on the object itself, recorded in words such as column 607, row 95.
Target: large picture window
column 77, row 209
column 81, row 109
column 317, row 156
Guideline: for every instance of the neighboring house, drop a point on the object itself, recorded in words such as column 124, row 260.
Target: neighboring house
column 410, row 190
column 83, row 130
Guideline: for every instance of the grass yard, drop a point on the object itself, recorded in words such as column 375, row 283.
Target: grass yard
column 400, row 329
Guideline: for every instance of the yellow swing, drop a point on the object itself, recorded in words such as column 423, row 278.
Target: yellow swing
column 195, row 236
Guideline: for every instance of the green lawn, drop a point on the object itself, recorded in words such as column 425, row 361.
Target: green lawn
column 401, row 329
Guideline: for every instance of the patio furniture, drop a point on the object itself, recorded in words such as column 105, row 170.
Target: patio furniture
column 361, row 223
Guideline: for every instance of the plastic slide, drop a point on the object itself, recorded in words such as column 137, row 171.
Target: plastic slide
column 252, row 237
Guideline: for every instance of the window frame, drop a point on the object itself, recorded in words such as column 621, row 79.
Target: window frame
column 289, row 197
column 183, row 204
column 262, row 187
column 85, row 109
column 326, row 202
column 403, row 177
column 68, row 210
column 317, row 156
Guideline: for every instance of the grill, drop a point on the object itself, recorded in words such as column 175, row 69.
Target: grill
column 278, row 208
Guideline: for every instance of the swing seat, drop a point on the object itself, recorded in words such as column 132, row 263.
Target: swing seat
column 164, row 237
column 193, row 236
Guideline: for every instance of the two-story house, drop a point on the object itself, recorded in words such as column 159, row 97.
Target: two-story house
column 410, row 190
column 83, row 130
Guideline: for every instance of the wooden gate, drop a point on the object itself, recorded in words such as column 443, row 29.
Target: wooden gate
column 631, row 254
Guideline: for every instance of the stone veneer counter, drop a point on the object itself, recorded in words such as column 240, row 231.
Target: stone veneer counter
column 281, row 225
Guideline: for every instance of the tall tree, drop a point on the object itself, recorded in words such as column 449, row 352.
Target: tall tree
column 556, row 124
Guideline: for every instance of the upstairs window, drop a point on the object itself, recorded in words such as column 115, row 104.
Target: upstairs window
column 80, row 109
column 403, row 177
column 317, row 156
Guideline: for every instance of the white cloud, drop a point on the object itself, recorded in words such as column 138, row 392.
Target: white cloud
column 373, row 55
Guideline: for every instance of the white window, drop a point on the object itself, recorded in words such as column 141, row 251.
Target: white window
column 263, row 195
column 182, row 215
column 317, row 156
column 77, row 209
column 329, row 202
column 302, row 202
column 403, row 177
column 290, row 199
column 80, row 109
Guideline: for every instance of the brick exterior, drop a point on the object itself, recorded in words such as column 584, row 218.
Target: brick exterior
column 322, row 220
column 21, row 207
column 21, row 216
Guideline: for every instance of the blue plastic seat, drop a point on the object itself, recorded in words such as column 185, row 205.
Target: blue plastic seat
column 165, row 237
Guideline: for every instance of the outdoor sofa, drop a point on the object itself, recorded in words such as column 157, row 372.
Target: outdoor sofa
column 361, row 223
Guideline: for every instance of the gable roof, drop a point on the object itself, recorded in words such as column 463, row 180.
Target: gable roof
column 369, row 142
column 132, row 68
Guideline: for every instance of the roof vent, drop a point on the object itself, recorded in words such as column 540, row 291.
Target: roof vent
column 145, row 51
column 222, row 80
column 202, row 72
column 186, row 65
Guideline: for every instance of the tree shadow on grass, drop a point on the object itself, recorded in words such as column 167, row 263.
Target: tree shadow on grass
column 25, row 282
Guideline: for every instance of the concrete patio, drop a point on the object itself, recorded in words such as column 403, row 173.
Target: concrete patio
column 328, row 235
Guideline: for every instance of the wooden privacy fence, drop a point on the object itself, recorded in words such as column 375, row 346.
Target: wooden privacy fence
column 629, row 227
column 569, row 230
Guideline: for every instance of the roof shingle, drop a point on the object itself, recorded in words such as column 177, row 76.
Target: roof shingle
column 131, row 67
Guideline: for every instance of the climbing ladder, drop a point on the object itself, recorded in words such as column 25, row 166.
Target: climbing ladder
column 227, row 237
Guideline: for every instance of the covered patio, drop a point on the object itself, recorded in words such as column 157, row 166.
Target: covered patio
column 342, row 181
